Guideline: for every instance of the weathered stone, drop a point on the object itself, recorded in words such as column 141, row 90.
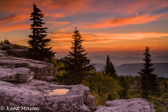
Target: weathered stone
column 130, row 105
column 34, row 94
column 42, row 70
column 16, row 74
column 3, row 53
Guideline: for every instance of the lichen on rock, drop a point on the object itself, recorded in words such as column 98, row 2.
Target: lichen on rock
column 33, row 94
column 127, row 105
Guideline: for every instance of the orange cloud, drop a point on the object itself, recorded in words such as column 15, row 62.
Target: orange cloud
column 54, row 24
column 123, row 21
column 61, row 41
column 53, row 9
column 14, row 27
column 130, row 36
column 55, row 15
column 62, row 8
column 69, row 7
column 12, row 19
column 13, row 22
column 64, row 39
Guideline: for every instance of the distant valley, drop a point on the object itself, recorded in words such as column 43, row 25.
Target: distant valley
column 131, row 65
column 161, row 69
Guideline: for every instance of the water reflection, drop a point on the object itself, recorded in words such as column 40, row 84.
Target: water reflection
column 57, row 91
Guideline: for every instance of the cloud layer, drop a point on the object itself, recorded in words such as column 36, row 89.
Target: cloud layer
column 123, row 21
column 93, row 17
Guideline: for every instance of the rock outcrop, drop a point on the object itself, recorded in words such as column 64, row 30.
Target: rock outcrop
column 42, row 70
column 130, row 105
column 3, row 53
column 35, row 94
column 16, row 74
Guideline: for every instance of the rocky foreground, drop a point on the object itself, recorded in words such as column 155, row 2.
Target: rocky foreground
column 22, row 89
column 130, row 105
column 37, row 94
column 42, row 70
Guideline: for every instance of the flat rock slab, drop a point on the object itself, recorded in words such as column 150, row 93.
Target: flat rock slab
column 20, row 74
column 35, row 94
column 3, row 53
column 42, row 70
column 130, row 105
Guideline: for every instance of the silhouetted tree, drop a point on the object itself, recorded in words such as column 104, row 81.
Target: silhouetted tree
column 109, row 68
column 38, row 42
column 6, row 41
column 77, row 64
column 149, row 83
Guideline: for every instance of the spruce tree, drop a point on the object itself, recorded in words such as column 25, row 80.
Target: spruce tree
column 109, row 68
column 38, row 42
column 77, row 64
column 149, row 84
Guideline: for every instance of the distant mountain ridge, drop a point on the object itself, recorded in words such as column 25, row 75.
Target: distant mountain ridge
column 161, row 69
column 117, row 60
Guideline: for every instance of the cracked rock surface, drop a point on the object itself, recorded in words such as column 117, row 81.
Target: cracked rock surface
column 130, row 105
column 20, row 74
column 42, row 70
column 34, row 94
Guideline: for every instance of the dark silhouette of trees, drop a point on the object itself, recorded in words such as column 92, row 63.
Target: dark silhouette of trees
column 77, row 64
column 109, row 68
column 6, row 41
column 149, row 83
column 38, row 42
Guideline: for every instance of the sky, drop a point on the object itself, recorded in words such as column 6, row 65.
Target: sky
column 108, row 26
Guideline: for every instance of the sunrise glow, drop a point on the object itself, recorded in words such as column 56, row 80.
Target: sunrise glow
column 106, row 25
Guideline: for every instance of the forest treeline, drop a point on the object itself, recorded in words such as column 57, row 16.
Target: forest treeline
column 75, row 68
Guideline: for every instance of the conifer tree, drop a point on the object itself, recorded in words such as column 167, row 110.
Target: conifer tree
column 149, row 83
column 38, row 42
column 77, row 64
column 109, row 68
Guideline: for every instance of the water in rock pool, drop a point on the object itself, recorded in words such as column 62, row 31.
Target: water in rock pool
column 57, row 91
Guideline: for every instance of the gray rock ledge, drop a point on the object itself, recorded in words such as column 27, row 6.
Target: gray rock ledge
column 16, row 74
column 130, row 105
column 33, row 94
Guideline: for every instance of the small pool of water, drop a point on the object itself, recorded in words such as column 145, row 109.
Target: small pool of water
column 57, row 91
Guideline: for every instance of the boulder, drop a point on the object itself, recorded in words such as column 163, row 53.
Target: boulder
column 36, row 95
column 130, row 105
column 16, row 74
column 42, row 70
